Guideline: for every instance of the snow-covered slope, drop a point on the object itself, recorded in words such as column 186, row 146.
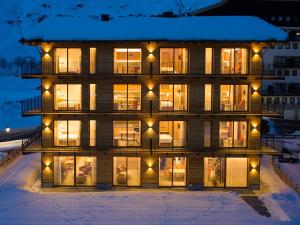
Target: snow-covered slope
column 18, row 16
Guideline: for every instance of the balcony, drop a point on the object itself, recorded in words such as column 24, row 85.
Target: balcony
column 31, row 106
column 167, row 69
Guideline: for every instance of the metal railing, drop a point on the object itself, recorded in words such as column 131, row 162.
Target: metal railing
column 276, row 142
column 31, row 105
column 136, row 68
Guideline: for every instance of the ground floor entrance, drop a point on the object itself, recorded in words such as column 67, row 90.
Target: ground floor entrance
column 149, row 171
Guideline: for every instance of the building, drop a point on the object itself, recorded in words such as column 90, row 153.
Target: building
column 138, row 102
column 281, row 86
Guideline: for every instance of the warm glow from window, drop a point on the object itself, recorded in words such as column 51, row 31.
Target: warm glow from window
column 127, row 60
column 236, row 172
column 93, row 96
column 233, row 134
column 207, row 97
column 92, row 132
column 214, row 172
column 93, row 52
column 208, row 60
column 127, row 97
column 126, row 171
column 173, row 97
column 67, row 60
column 234, row 61
column 174, row 60
column 172, row 133
column 126, row 133
column 172, row 171
column 234, row 97
column 67, row 132
column 67, row 97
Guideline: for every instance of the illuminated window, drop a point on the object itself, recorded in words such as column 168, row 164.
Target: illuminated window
column 127, row 133
column 236, row 172
column 127, row 171
column 92, row 132
column 208, row 60
column 234, row 61
column 207, row 133
column 173, row 97
column 172, row 171
column 234, row 97
column 93, row 52
column 207, row 97
column 174, row 60
column 64, row 170
column 214, row 172
column 172, row 133
column 233, row 134
column 127, row 97
column 67, row 60
column 67, row 97
column 67, row 132
column 93, row 96
column 127, row 60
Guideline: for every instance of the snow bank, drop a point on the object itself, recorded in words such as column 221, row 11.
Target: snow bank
column 200, row 28
column 9, row 145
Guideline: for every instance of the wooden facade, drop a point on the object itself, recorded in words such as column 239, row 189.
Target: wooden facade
column 150, row 114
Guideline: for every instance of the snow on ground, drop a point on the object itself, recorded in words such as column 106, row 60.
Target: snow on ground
column 292, row 170
column 9, row 145
column 21, row 203
column 12, row 90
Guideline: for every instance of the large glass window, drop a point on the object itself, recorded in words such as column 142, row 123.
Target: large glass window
column 67, row 97
column 172, row 171
column 67, row 132
column 234, row 97
column 64, row 170
column 86, row 171
column 236, row 172
column 127, row 133
column 67, row 60
column 93, row 132
column 127, row 60
column 233, row 134
column 127, row 97
column 172, row 133
column 127, row 171
column 173, row 97
column 174, row 60
column 214, row 170
column 207, row 97
column 93, row 96
column 208, row 60
column 207, row 133
column 93, row 52
column 234, row 61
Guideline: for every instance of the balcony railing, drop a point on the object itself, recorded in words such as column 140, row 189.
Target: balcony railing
column 143, row 68
column 31, row 106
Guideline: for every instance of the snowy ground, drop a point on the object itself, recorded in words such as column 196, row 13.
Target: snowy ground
column 292, row 171
column 24, row 203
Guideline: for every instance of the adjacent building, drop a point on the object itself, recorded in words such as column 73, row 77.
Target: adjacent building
column 150, row 102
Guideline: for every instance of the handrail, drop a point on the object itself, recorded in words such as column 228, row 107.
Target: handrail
column 31, row 104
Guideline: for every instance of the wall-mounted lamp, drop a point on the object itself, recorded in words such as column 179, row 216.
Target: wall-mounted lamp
column 47, row 163
column 253, row 127
column 254, row 90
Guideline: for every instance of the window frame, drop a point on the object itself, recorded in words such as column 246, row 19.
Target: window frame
column 234, row 62
column 114, row 61
column 186, row 135
column 173, row 61
column 247, row 134
column 54, row 98
column 67, row 146
column 127, row 146
column 127, row 110
column 173, row 110
column 55, row 63
column 115, row 185
column 234, row 98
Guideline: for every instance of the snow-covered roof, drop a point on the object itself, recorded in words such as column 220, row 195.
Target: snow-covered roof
column 197, row 28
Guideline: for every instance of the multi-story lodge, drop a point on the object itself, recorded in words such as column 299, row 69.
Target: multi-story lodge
column 150, row 102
